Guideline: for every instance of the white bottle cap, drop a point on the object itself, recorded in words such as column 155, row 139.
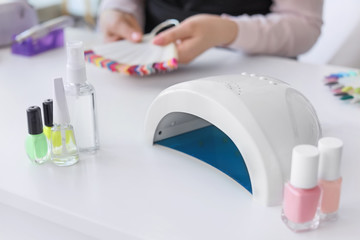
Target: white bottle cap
column 75, row 67
column 60, row 108
column 330, row 155
column 304, row 166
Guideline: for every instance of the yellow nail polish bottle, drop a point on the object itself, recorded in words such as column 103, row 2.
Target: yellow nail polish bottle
column 48, row 117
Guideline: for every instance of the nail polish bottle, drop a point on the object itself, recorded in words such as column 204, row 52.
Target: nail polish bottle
column 64, row 151
column 48, row 117
column 301, row 193
column 80, row 95
column 36, row 144
column 329, row 177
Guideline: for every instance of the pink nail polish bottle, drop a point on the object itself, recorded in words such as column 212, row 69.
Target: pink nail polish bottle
column 329, row 177
column 302, row 194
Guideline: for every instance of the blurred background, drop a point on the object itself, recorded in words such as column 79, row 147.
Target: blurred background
column 338, row 44
column 84, row 11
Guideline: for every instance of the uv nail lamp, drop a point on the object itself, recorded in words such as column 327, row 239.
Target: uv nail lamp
column 244, row 125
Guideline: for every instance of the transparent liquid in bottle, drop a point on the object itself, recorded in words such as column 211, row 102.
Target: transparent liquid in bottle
column 82, row 109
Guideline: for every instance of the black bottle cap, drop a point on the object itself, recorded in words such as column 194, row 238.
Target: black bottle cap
column 48, row 112
column 34, row 120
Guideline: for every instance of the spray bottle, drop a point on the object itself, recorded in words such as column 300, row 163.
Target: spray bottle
column 80, row 95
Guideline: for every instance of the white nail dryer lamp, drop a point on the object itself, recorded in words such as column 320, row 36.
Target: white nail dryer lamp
column 244, row 125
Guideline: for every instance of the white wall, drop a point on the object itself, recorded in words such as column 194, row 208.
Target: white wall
column 340, row 40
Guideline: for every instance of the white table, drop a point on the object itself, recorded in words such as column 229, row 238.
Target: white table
column 132, row 190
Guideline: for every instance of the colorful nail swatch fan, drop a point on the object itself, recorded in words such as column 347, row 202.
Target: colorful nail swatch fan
column 345, row 85
column 141, row 59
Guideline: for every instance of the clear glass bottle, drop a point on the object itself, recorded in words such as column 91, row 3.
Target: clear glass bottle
column 80, row 96
column 64, row 151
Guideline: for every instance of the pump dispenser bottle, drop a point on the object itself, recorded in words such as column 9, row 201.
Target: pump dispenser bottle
column 64, row 151
column 329, row 177
column 301, row 194
column 36, row 144
column 80, row 95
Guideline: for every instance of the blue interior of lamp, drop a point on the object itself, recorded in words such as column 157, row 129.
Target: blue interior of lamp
column 212, row 146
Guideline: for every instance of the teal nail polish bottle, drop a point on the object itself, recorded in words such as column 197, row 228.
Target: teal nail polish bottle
column 36, row 144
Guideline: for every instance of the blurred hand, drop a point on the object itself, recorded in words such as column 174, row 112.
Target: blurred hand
column 198, row 33
column 117, row 25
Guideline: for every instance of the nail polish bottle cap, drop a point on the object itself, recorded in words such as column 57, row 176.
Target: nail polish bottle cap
column 34, row 120
column 330, row 155
column 48, row 112
column 304, row 166
column 75, row 67
column 60, row 107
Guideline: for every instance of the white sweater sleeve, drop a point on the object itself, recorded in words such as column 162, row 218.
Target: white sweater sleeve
column 292, row 28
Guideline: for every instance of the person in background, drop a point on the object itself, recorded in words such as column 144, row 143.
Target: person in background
column 279, row 27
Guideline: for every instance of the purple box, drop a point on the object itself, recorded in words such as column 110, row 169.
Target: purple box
column 30, row 47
